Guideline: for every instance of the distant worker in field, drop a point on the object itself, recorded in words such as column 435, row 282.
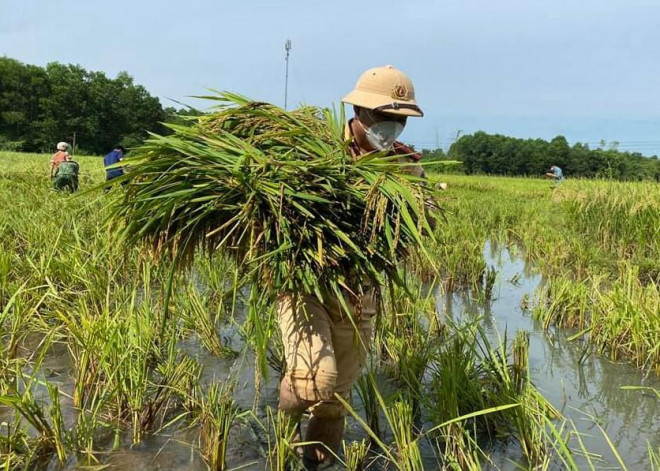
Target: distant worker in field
column 556, row 174
column 113, row 157
column 324, row 349
column 66, row 176
column 60, row 156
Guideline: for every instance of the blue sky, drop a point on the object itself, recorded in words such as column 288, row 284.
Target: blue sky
column 587, row 69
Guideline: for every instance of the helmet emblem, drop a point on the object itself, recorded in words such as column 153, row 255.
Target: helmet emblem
column 399, row 92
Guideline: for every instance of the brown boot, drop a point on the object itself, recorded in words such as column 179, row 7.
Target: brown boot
column 327, row 431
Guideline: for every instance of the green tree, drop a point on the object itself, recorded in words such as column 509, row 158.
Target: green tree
column 41, row 106
column 503, row 155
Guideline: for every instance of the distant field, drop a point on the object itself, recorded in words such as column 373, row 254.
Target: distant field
column 91, row 167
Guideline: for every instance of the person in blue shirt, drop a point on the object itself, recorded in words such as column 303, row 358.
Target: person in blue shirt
column 113, row 157
column 556, row 174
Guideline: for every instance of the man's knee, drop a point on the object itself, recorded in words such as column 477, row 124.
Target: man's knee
column 298, row 395
column 314, row 386
column 290, row 403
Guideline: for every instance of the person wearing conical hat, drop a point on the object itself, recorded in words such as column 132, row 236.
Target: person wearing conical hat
column 325, row 349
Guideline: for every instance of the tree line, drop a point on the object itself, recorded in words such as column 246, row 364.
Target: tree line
column 40, row 106
column 495, row 154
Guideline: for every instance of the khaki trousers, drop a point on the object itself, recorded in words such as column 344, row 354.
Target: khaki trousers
column 324, row 350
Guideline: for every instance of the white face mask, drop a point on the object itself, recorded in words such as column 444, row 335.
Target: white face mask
column 381, row 135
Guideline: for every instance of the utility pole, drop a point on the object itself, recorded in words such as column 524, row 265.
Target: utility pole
column 287, row 48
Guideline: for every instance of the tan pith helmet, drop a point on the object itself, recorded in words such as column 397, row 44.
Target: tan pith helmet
column 385, row 89
column 62, row 146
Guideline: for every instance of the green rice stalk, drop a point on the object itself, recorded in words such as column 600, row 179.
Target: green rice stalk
column 367, row 392
column 282, row 454
column 217, row 414
column 199, row 318
column 277, row 193
column 654, row 457
column 355, row 455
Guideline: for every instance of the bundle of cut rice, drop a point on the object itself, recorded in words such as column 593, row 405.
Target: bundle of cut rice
column 279, row 193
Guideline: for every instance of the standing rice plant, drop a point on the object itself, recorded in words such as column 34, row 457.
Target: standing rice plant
column 122, row 360
column 367, row 391
column 17, row 317
column 214, row 275
column 529, row 419
column 217, row 413
column 470, row 374
column 625, row 320
column 568, row 304
column 60, row 435
column 490, row 276
column 396, row 422
column 6, row 262
column 512, row 383
column 151, row 394
column 51, row 437
column 520, row 349
column 408, row 337
column 15, row 447
column 400, row 418
column 620, row 315
column 622, row 219
column 198, row 317
column 261, row 332
column 355, row 455
column 456, row 389
column 457, row 449
column 282, row 443
column 90, row 421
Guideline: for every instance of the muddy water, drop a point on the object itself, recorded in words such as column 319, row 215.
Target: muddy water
column 586, row 390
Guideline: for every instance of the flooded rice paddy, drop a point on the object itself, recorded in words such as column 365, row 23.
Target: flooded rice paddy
column 586, row 388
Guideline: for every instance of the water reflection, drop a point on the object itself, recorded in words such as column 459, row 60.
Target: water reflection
column 585, row 389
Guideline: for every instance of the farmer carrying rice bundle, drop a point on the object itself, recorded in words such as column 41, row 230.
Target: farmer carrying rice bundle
column 317, row 214
column 324, row 356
